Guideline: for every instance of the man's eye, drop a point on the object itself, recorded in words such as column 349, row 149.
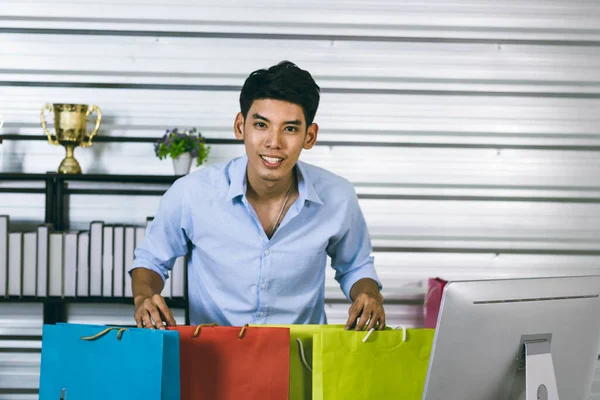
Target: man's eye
column 291, row 129
column 260, row 125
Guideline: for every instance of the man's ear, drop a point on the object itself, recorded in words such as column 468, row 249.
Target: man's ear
column 311, row 136
column 238, row 126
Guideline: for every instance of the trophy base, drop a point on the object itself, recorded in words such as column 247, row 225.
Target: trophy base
column 69, row 164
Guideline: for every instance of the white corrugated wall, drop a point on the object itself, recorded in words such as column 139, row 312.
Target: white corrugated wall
column 480, row 121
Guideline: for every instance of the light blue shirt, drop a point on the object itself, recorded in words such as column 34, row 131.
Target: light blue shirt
column 236, row 274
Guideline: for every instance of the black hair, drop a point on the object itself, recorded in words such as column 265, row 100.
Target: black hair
column 286, row 82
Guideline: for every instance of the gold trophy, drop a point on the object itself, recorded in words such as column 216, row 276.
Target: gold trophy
column 70, row 124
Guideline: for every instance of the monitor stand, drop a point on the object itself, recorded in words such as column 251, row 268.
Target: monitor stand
column 534, row 377
column 540, row 380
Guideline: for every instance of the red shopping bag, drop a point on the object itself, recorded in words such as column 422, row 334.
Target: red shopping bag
column 433, row 301
column 232, row 363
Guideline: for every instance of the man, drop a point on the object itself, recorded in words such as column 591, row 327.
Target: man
column 258, row 229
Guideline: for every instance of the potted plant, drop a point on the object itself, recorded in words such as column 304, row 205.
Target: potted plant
column 182, row 147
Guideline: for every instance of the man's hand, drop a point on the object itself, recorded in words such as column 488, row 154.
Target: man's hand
column 150, row 312
column 150, row 307
column 367, row 306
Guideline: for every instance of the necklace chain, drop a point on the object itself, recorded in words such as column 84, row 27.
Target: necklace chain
column 287, row 197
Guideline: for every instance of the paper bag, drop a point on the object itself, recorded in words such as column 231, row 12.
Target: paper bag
column 95, row 362
column 433, row 301
column 390, row 364
column 232, row 363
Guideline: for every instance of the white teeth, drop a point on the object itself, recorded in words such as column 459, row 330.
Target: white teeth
column 272, row 160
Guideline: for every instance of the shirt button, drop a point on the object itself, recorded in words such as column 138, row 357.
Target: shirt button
column 263, row 286
column 261, row 314
column 267, row 252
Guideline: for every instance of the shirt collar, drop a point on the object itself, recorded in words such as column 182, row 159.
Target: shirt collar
column 238, row 181
column 237, row 178
column 305, row 185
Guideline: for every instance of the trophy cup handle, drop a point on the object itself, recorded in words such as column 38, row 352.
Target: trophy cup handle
column 51, row 140
column 93, row 108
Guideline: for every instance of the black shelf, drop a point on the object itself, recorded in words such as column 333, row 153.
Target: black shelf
column 112, row 178
column 114, row 139
column 154, row 179
column 176, row 302
column 55, row 308
column 56, row 190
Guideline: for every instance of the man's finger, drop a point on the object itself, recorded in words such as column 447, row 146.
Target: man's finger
column 156, row 317
column 138, row 319
column 353, row 314
column 166, row 312
column 146, row 319
column 382, row 320
column 365, row 316
column 373, row 321
column 171, row 319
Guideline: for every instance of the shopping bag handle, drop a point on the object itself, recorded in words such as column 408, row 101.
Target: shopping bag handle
column 398, row 327
column 240, row 335
column 303, row 356
column 197, row 330
column 242, row 331
column 104, row 332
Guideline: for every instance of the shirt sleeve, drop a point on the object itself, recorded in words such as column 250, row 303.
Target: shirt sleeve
column 350, row 251
column 168, row 234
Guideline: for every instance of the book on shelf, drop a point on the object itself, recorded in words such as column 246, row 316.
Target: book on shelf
column 129, row 256
column 43, row 234
column 118, row 260
column 55, row 264
column 29, row 263
column 107, row 261
column 140, row 236
column 70, row 253
column 96, row 244
column 4, row 227
column 94, row 262
column 15, row 263
column 83, row 264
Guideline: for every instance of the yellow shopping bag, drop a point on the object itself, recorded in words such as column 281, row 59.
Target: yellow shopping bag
column 301, row 338
column 388, row 364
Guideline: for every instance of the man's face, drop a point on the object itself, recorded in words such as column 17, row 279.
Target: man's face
column 274, row 134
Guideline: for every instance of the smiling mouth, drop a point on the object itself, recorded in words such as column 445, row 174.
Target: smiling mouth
column 272, row 161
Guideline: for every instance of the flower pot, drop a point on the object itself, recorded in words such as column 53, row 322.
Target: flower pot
column 182, row 164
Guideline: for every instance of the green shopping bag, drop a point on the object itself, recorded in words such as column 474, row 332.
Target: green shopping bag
column 301, row 356
column 389, row 364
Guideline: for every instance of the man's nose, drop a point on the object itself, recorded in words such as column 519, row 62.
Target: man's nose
column 274, row 140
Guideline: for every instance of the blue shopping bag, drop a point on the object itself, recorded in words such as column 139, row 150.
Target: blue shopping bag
column 95, row 362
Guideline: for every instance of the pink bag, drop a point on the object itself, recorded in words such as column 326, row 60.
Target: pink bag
column 433, row 301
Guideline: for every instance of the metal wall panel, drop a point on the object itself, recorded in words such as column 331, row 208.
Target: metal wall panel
column 335, row 64
column 533, row 20
column 479, row 120
column 459, row 119
column 20, row 344
column 20, row 319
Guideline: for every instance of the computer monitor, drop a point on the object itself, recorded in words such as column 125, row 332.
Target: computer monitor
column 496, row 338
